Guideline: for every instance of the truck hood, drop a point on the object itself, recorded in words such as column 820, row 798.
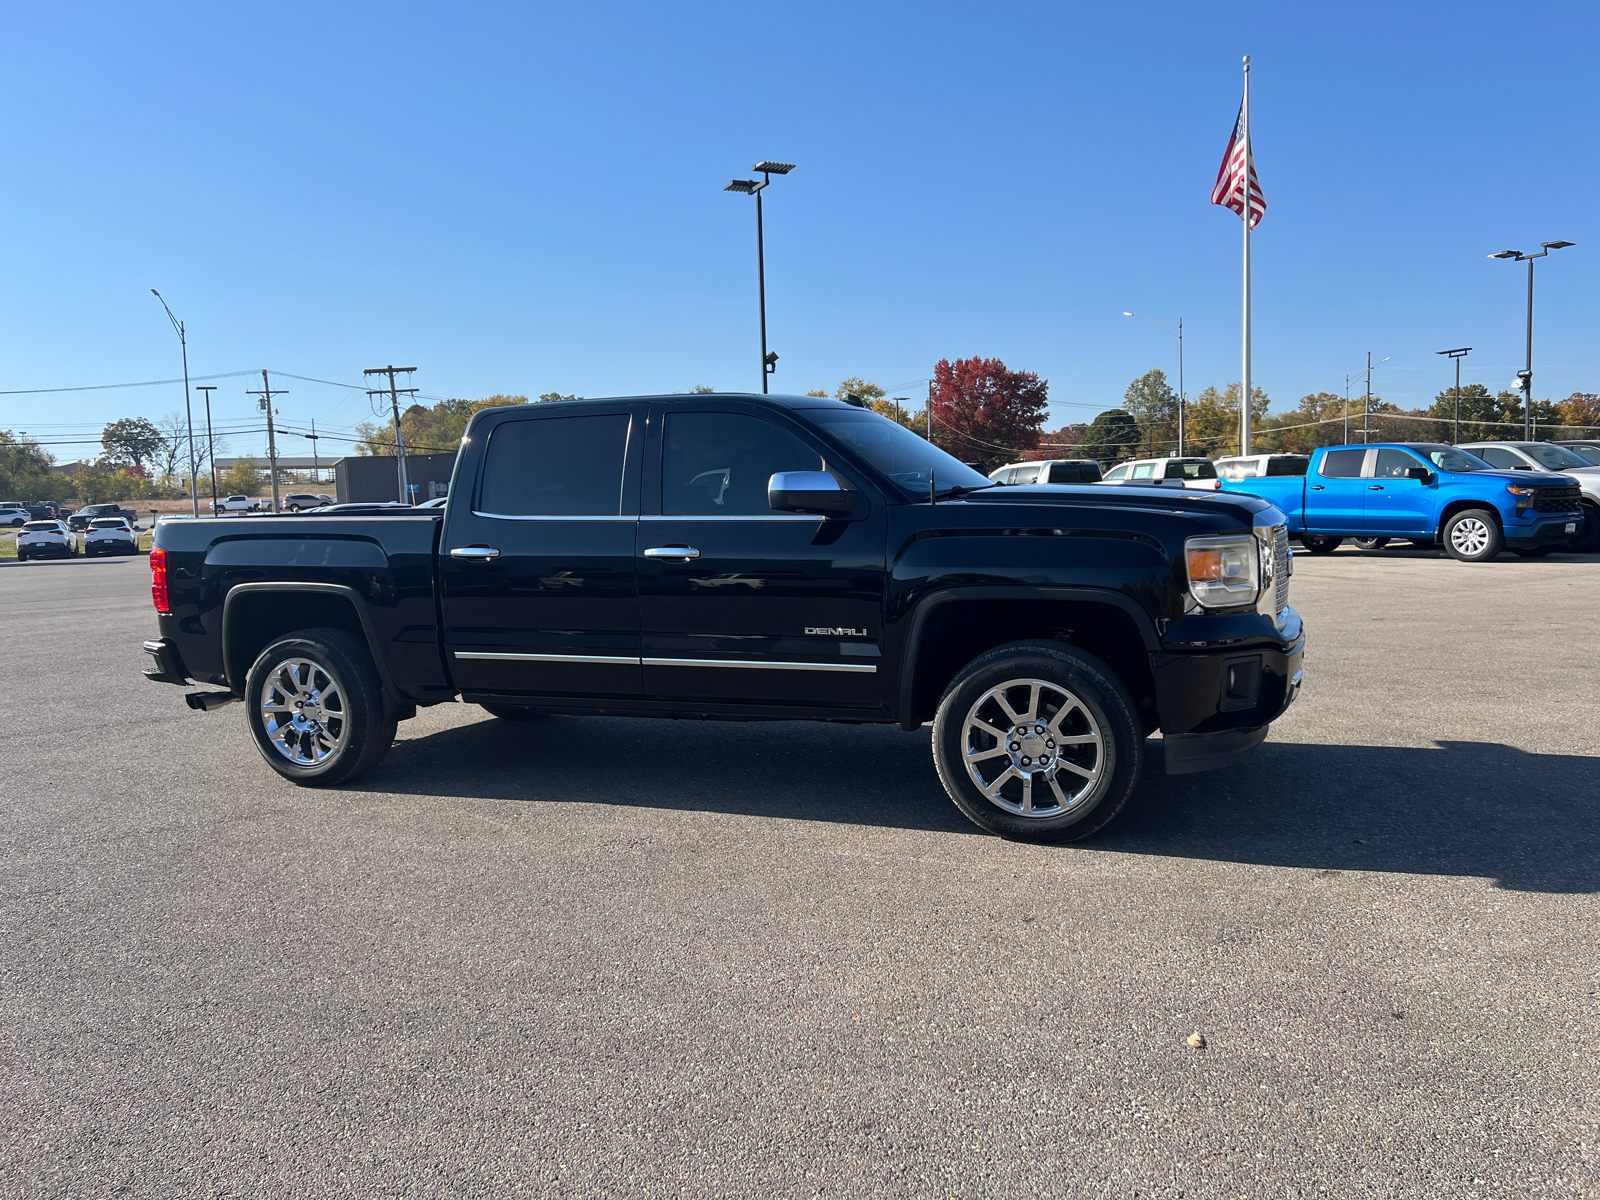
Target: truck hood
column 1536, row 478
column 1235, row 506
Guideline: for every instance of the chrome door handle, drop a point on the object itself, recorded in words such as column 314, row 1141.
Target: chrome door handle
column 475, row 553
column 1374, row 487
column 683, row 552
column 1316, row 487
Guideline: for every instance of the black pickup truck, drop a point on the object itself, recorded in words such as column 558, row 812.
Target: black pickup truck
column 742, row 557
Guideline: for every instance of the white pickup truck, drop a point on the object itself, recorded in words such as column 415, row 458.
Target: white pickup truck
column 234, row 504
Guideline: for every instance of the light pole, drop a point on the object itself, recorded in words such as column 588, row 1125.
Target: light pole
column 314, row 437
column 1178, row 332
column 211, row 445
column 183, row 341
column 769, row 362
column 1457, row 355
column 1526, row 375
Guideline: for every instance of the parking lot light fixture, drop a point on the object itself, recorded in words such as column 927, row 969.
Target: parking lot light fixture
column 749, row 187
column 183, row 342
column 1457, row 354
column 1525, row 376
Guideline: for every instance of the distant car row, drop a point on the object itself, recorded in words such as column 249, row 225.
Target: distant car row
column 56, row 539
column 293, row 502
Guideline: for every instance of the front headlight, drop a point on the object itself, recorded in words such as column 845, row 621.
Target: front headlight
column 1223, row 571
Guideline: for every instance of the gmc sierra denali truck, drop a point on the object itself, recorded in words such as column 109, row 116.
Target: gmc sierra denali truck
column 741, row 557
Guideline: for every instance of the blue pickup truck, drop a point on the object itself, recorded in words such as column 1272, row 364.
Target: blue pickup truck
column 1426, row 492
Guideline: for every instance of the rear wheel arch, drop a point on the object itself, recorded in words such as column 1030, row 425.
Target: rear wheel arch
column 950, row 628
column 256, row 614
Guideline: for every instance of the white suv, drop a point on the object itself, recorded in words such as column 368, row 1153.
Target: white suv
column 1199, row 473
column 1052, row 470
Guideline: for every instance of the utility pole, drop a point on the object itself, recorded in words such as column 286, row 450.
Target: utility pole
column 394, row 395
column 1366, row 405
column 267, row 393
column 211, row 445
column 316, row 463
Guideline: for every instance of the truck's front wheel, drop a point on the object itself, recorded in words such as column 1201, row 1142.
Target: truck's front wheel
column 315, row 707
column 1037, row 741
column 1473, row 535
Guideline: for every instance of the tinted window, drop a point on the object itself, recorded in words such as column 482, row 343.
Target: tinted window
column 1499, row 457
column 40, row 526
column 905, row 457
column 1204, row 469
column 1287, row 465
column 556, row 467
column 1393, row 464
column 1075, row 473
column 1556, row 458
column 719, row 464
column 108, row 523
column 1342, row 464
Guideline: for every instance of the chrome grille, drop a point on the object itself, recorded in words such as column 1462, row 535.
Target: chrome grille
column 1282, row 565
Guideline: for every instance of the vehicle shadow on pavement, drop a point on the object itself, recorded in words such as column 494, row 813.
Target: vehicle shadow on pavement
column 1531, row 822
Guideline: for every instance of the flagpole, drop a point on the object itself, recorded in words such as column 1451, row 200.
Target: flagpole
column 1244, row 397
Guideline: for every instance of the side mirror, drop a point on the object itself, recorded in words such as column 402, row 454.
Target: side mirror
column 1421, row 473
column 814, row 492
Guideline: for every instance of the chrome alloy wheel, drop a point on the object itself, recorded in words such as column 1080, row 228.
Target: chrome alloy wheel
column 302, row 711
column 1032, row 748
column 1470, row 536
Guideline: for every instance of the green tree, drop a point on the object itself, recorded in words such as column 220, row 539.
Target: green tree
column 244, row 478
column 25, row 471
column 1152, row 402
column 1112, row 436
column 552, row 397
column 1213, row 420
column 429, row 430
column 132, row 440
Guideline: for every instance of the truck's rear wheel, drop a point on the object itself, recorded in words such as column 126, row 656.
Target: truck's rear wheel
column 1037, row 741
column 1320, row 545
column 315, row 707
column 1473, row 535
column 1369, row 543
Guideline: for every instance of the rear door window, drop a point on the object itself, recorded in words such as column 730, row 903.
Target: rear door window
column 556, row 467
column 1144, row 471
column 1342, row 464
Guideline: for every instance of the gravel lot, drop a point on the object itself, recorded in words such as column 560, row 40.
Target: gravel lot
column 596, row 957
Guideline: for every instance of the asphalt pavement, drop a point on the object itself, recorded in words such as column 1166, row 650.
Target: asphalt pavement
column 600, row 957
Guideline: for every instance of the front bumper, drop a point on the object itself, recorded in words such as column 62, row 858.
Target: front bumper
column 1552, row 531
column 1215, row 705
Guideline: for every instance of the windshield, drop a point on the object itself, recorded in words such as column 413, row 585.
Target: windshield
column 906, row 458
column 1448, row 458
column 1557, row 458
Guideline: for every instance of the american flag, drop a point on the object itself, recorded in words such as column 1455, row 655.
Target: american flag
column 1229, row 191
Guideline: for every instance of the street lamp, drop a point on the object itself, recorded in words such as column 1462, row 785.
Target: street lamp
column 1178, row 332
column 769, row 362
column 194, row 491
column 1457, row 354
column 211, row 445
column 1526, row 375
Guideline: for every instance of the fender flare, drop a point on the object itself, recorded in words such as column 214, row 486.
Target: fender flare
column 933, row 600
column 236, row 671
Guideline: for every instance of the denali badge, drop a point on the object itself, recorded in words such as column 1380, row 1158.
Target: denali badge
column 830, row 631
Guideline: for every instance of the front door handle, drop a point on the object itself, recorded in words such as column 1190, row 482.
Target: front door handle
column 1374, row 487
column 1316, row 487
column 475, row 553
column 683, row 552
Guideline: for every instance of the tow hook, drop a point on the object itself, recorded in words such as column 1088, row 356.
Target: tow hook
column 206, row 701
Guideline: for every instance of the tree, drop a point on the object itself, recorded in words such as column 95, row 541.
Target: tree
column 1213, row 420
column 1580, row 414
column 25, row 471
column 701, row 389
column 429, row 430
column 551, row 397
column 244, row 478
column 984, row 411
column 1056, row 444
column 132, row 440
column 1112, row 436
column 1153, row 403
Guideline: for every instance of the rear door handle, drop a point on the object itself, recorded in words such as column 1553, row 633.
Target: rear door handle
column 1316, row 487
column 1374, row 487
column 683, row 552
column 478, row 553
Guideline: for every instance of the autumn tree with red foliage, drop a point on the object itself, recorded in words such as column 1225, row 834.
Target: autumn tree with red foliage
column 984, row 411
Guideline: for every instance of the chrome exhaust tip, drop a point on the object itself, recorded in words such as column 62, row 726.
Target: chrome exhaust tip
column 206, row 701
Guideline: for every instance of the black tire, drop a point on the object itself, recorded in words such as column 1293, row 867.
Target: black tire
column 1103, row 708
column 1369, row 543
column 512, row 712
column 21, row 557
column 361, row 733
column 1532, row 551
column 1473, row 535
column 1588, row 541
column 1320, row 545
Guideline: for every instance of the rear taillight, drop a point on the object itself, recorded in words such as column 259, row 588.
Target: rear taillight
column 158, row 580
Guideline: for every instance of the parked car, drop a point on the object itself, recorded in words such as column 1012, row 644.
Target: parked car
column 1198, row 473
column 1546, row 456
column 14, row 513
column 299, row 501
column 1426, row 492
column 1260, row 466
column 749, row 558
column 79, row 521
column 233, row 504
column 1054, row 470
column 1588, row 451
column 110, row 535
column 46, row 539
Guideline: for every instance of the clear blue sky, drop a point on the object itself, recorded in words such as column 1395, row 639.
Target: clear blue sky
column 527, row 198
